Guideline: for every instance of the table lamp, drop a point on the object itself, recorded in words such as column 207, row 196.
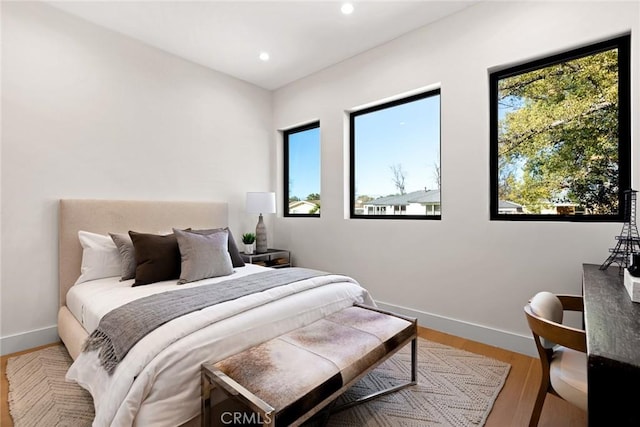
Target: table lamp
column 261, row 202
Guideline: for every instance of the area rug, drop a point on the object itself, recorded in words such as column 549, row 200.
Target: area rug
column 39, row 395
column 455, row 388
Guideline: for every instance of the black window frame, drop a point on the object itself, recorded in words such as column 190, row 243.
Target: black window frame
column 623, row 44
column 352, row 159
column 285, row 135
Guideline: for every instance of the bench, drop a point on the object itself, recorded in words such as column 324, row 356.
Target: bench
column 288, row 379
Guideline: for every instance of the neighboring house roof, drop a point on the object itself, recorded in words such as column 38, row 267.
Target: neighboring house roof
column 566, row 204
column 505, row 204
column 303, row 206
column 304, row 202
column 425, row 196
column 421, row 196
column 429, row 196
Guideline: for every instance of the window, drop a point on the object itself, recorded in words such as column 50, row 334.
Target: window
column 560, row 136
column 395, row 159
column 302, row 171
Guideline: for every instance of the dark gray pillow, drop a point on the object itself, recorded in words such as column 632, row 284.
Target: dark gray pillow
column 127, row 255
column 157, row 257
column 236, row 259
column 203, row 255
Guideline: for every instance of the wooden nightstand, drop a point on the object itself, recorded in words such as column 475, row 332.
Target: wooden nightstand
column 276, row 258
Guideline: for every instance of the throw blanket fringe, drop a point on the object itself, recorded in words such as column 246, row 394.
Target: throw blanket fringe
column 98, row 340
column 121, row 328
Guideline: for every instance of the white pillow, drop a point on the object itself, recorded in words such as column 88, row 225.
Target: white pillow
column 100, row 257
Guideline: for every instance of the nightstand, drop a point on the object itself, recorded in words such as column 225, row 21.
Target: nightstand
column 276, row 258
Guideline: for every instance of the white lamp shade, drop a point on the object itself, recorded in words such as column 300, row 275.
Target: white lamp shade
column 261, row 202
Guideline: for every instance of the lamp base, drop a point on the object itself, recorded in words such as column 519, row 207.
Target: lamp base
column 261, row 236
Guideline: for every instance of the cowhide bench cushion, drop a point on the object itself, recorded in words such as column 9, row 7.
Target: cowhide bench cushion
column 286, row 380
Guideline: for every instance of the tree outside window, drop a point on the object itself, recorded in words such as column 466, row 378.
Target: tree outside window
column 560, row 136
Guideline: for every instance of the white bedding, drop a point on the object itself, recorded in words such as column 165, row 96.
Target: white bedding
column 158, row 382
column 89, row 301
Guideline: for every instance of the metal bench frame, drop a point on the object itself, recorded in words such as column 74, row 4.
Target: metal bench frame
column 214, row 380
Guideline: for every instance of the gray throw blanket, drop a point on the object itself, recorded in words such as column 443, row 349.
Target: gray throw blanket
column 121, row 328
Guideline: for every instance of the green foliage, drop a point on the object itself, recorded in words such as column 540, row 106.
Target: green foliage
column 248, row 238
column 315, row 209
column 294, row 199
column 313, row 196
column 558, row 142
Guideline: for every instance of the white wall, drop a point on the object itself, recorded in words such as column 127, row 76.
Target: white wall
column 464, row 274
column 88, row 113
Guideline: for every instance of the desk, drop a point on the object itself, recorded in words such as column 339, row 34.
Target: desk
column 612, row 323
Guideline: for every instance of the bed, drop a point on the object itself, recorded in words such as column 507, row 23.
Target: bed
column 157, row 382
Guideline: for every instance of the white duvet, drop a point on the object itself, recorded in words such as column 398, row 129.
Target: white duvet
column 158, row 382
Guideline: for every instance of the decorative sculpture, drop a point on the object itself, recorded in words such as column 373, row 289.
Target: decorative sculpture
column 628, row 241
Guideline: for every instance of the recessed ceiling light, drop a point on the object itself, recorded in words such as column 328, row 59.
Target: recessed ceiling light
column 347, row 8
column 264, row 56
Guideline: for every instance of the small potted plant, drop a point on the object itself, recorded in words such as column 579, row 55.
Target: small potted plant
column 249, row 241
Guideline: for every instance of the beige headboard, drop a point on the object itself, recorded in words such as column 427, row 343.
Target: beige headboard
column 120, row 216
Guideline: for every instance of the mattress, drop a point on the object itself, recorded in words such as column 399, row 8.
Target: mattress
column 158, row 382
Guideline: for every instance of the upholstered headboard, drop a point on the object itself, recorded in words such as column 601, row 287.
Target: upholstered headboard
column 120, row 216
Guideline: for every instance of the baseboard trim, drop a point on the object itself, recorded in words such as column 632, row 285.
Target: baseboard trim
column 471, row 331
column 27, row 340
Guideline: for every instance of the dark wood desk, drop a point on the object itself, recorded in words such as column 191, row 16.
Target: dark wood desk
column 612, row 322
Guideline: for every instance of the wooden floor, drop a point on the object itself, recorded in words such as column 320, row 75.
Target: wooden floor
column 511, row 409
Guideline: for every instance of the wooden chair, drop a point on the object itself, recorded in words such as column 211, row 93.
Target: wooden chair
column 562, row 350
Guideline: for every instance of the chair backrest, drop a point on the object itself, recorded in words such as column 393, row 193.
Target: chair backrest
column 548, row 306
column 544, row 315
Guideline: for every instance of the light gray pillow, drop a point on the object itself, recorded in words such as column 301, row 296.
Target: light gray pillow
column 127, row 255
column 236, row 259
column 203, row 255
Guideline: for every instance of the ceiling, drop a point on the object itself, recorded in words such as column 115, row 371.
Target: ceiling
column 301, row 37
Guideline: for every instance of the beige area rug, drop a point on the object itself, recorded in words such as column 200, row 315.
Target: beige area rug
column 455, row 388
column 39, row 394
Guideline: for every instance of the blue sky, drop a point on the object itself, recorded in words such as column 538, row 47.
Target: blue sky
column 304, row 163
column 406, row 135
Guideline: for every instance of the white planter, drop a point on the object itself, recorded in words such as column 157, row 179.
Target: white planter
column 248, row 248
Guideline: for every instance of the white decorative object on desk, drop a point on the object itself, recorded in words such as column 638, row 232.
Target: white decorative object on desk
column 632, row 284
